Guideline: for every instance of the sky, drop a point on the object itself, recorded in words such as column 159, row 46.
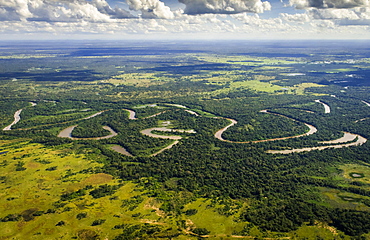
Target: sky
column 184, row 19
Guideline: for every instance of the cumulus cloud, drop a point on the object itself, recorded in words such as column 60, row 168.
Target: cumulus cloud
column 60, row 11
column 256, row 22
column 359, row 22
column 198, row 19
column 104, row 8
column 15, row 9
column 151, row 8
column 299, row 17
column 343, row 17
column 327, row 18
column 333, row 14
column 320, row 4
column 194, row 7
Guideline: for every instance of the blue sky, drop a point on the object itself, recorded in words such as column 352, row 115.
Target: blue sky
column 184, row 19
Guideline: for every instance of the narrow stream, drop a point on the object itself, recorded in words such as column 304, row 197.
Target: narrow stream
column 326, row 106
column 17, row 118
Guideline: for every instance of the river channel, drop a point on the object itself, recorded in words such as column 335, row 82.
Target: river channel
column 326, row 106
column 67, row 133
column 360, row 140
column 219, row 133
column 346, row 139
column 17, row 118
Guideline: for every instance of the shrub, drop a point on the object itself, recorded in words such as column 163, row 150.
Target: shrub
column 98, row 222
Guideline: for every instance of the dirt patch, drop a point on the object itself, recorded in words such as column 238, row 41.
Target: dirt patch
column 28, row 214
column 49, row 231
column 152, row 204
column 99, row 178
column 87, row 234
column 149, row 221
column 32, row 165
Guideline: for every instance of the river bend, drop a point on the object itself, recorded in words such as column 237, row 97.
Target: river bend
column 219, row 133
column 17, row 118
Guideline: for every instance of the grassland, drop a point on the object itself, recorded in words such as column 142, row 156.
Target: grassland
column 137, row 79
column 34, row 192
column 343, row 199
column 245, row 60
column 300, row 88
column 28, row 56
column 362, row 170
column 256, row 85
column 208, row 217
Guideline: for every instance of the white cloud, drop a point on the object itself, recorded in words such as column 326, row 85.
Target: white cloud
column 302, row 4
column 15, row 9
column 358, row 22
column 104, row 8
column 85, row 11
column 81, row 17
column 337, row 17
column 324, row 25
column 60, row 11
column 240, row 26
column 151, row 8
column 333, row 14
column 298, row 17
column 225, row 6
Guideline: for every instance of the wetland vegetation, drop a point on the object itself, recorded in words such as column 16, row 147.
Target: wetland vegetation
column 180, row 140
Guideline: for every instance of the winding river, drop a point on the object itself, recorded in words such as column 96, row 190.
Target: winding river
column 67, row 133
column 347, row 140
column 132, row 115
column 368, row 104
column 192, row 112
column 347, row 137
column 17, row 118
column 326, row 106
column 148, row 132
column 219, row 133
column 168, row 147
column 360, row 140
column 94, row 115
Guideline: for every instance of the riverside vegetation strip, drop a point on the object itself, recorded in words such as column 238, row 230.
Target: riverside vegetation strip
column 136, row 186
